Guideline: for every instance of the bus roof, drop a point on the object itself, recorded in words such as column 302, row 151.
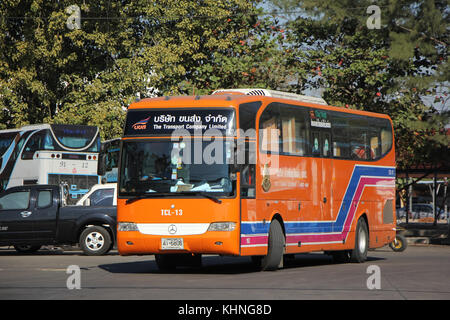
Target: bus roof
column 234, row 97
column 111, row 140
column 39, row 127
column 272, row 93
column 27, row 127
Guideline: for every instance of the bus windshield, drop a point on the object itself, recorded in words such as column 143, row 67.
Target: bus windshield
column 77, row 137
column 5, row 141
column 162, row 167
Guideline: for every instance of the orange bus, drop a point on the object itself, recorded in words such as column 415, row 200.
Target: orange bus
column 253, row 172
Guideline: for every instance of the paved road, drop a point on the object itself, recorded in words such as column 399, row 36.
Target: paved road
column 421, row 272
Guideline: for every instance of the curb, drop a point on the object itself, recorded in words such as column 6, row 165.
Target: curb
column 417, row 240
column 427, row 240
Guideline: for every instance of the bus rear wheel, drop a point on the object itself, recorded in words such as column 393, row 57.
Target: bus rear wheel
column 274, row 258
column 359, row 253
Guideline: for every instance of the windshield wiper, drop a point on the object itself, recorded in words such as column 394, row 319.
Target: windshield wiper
column 147, row 195
column 171, row 194
column 206, row 195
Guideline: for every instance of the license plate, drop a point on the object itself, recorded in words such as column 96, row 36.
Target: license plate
column 172, row 243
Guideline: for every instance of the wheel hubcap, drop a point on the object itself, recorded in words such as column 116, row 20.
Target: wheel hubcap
column 362, row 241
column 95, row 241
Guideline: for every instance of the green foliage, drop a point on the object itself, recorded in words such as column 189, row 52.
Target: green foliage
column 50, row 73
column 389, row 70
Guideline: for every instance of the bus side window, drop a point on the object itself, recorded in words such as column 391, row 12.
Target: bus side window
column 19, row 145
column 341, row 146
column 360, row 137
column 294, row 131
column 247, row 116
column 374, row 144
column 359, row 147
column 34, row 144
column 270, row 129
column 386, row 140
column 359, row 141
column 48, row 141
column 326, row 144
column 315, row 144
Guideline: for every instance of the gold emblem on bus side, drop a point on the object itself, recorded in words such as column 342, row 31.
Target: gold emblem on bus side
column 266, row 178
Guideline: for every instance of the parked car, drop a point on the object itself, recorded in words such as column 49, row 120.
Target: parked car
column 100, row 195
column 35, row 215
column 425, row 210
column 401, row 212
column 421, row 210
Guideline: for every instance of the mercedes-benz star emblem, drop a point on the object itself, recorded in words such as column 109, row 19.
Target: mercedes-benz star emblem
column 172, row 229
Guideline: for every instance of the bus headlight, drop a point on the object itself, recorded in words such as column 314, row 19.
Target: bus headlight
column 127, row 226
column 222, row 226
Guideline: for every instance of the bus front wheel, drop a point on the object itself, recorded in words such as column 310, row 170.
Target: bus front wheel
column 274, row 258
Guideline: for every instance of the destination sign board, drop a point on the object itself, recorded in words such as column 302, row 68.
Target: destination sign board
column 319, row 119
column 167, row 121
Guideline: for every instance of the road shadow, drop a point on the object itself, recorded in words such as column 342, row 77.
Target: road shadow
column 210, row 265
column 223, row 265
column 49, row 251
column 305, row 260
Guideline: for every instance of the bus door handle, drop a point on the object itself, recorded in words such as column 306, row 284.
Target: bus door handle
column 25, row 214
column 324, row 199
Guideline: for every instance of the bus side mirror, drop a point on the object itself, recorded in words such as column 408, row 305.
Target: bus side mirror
column 101, row 165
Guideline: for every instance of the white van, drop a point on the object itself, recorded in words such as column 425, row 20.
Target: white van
column 100, row 195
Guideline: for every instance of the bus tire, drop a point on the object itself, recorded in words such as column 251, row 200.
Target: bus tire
column 95, row 241
column 359, row 253
column 274, row 258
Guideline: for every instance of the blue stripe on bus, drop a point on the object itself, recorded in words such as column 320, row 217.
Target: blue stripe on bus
column 325, row 226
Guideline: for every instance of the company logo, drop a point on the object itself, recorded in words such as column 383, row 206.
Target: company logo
column 172, row 229
column 141, row 125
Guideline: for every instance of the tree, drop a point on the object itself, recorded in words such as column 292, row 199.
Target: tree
column 52, row 72
column 389, row 69
column 48, row 70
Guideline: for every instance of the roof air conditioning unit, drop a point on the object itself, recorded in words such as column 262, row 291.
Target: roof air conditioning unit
column 272, row 93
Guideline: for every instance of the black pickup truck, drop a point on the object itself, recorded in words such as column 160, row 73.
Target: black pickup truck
column 35, row 215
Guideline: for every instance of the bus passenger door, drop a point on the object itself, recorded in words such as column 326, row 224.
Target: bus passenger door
column 327, row 172
column 322, row 172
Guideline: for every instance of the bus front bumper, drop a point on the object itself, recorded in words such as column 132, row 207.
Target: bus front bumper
column 210, row 242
